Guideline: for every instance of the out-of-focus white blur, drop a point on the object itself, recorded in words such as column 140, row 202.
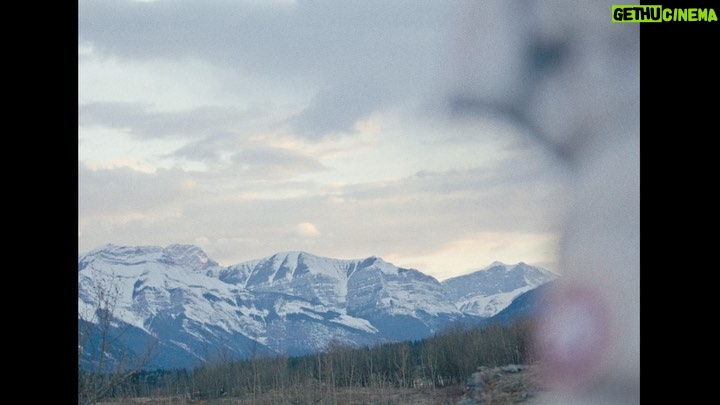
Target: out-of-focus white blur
column 571, row 76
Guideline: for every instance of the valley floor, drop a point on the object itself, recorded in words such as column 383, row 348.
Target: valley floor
column 497, row 386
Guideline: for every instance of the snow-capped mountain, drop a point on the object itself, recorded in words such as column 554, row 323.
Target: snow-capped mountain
column 488, row 291
column 288, row 303
column 527, row 304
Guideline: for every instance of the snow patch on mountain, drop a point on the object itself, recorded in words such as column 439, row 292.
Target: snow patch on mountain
column 357, row 323
column 487, row 306
column 488, row 291
column 291, row 302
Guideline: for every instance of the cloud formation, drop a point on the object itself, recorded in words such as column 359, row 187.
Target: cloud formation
column 252, row 127
column 358, row 56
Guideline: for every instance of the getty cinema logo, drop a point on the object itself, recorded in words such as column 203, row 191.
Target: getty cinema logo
column 643, row 13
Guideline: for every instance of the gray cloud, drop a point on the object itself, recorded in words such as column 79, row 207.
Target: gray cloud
column 266, row 162
column 141, row 121
column 111, row 114
column 526, row 194
column 287, row 77
column 360, row 56
column 206, row 149
column 415, row 214
column 210, row 132
column 122, row 190
column 336, row 111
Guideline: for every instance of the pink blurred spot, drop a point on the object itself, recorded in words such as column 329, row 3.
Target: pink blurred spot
column 572, row 337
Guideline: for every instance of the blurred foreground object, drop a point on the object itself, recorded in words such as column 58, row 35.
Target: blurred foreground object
column 567, row 73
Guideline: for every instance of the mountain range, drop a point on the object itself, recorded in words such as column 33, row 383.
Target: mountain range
column 188, row 309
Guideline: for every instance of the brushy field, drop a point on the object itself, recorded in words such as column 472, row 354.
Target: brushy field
column 496, row 386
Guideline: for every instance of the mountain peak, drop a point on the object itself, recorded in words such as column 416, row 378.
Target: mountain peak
column 487, row 291
column 189, row 256
column 291, row 302
column 291, row 253
column 507, row 267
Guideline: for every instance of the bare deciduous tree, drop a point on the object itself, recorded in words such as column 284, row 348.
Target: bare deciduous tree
column 105, row 362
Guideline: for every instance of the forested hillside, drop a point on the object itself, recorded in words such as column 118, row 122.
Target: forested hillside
column 447, row 359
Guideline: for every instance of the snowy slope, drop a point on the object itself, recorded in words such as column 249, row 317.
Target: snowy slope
column 490, row 290
column 166, row 294
column 289, row 303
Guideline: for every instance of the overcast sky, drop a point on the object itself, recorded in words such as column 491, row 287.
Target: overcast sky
column 259, row 126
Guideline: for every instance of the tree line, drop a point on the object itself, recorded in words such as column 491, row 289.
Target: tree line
column 447, row 358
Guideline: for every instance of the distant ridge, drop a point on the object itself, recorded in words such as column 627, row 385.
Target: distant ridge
column 292, row 302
